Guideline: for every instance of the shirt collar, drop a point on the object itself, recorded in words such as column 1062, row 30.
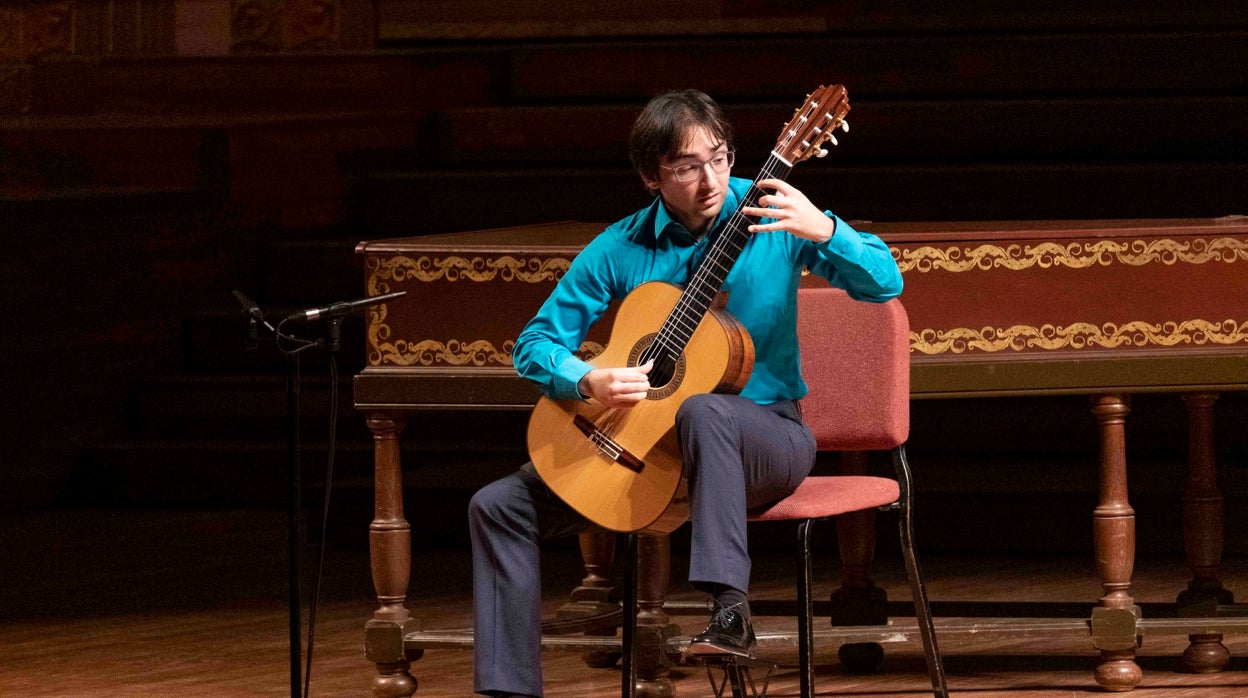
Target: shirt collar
column 666, row 227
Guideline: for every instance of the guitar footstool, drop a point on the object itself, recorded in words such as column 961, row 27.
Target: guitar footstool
column 737, row 673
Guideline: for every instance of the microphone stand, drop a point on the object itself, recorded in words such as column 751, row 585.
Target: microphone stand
column 331, row 344
column 294, row 493
column 294, row 519
column 294, row 346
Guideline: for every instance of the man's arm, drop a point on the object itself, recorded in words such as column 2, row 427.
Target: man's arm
column 545, row 349
column 858, row 262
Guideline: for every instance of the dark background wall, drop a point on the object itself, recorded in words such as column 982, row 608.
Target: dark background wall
column 157, row 157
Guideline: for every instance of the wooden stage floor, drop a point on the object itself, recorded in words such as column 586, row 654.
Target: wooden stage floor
column 139, row 603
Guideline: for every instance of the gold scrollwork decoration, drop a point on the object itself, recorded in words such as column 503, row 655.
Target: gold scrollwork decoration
column 1074, row 255
column 285, row 25
column 311, row 25
column 1079, row 335
column 429, row 352
column 36, row 29
column 255, row 25
column 433, row 353
column 479, row 269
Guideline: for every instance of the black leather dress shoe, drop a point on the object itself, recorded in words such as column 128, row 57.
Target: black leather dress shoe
column 729, row 632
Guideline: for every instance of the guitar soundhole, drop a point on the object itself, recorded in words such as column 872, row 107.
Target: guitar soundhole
column 668, row 370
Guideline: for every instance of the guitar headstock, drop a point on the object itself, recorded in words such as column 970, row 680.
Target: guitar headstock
column 814, row 124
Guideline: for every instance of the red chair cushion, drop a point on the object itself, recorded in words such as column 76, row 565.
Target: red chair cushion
column 821, row 496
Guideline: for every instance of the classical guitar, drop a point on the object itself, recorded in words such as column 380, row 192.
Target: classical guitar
column 621, row 468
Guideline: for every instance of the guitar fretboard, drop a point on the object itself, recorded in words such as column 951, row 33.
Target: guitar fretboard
column 708, row 279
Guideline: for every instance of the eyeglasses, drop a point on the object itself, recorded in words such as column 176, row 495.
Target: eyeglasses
column 688, row 173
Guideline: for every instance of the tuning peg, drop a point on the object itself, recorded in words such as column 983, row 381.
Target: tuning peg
column 822, row 153
column 845, row 126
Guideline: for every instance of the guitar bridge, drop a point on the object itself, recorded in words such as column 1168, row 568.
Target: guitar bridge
column 607, row 446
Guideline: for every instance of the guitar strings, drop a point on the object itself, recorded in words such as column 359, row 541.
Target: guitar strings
column 708, row 278
column 604, row 426
column 692, row 305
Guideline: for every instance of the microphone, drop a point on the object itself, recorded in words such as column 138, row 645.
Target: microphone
column 250, row 309
column 253, row 311
column 339, row 309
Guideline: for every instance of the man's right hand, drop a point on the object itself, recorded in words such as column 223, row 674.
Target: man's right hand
column 617, row 387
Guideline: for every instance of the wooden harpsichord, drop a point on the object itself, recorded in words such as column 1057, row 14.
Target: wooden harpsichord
column 995, row 308
column 1101, row 308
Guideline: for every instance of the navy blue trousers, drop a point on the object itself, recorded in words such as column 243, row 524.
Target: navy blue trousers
column 738, row 455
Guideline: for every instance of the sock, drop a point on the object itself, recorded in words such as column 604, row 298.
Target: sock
column 726, row 596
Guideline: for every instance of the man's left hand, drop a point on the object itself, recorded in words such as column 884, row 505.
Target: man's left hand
column 791, row 210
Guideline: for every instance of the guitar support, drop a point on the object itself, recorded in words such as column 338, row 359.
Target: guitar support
column 737, row 673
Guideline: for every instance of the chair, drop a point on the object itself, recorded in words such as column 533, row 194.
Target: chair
column 856, row 360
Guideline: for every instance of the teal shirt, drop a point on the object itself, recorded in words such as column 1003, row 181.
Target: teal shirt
column 762, row 292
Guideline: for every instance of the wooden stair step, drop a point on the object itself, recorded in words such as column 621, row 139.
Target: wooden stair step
column 966, row 130
column 394, row 205
column 882, row 66
column 258, row 83
column 420, row 22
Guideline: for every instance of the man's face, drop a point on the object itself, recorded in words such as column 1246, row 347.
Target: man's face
column 695, row 202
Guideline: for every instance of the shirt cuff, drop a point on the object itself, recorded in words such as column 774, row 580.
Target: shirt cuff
column 568, row 374
column 846, row 246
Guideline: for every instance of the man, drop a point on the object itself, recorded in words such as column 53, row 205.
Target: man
column 739, row 451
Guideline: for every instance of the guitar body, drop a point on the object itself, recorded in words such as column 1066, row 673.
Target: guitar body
column 621, row 468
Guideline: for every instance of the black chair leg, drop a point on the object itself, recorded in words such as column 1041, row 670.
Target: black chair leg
column 805, row 611
column 922, row 609
column 629, row 631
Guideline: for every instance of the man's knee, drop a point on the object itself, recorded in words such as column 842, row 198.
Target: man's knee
column 701, row 408
column 487, row 503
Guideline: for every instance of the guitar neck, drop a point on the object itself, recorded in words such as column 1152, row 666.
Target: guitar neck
column 709, row 277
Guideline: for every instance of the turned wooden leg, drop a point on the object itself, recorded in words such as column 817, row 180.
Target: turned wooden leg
column 855, row 532
column 390, row 555
column 592, row 599
column 598, row 552
column 1114, row 621
column 1202, row 537
column 858, row 601
column 653, row 630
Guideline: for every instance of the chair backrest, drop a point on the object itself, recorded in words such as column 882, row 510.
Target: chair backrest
column 856, row 361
